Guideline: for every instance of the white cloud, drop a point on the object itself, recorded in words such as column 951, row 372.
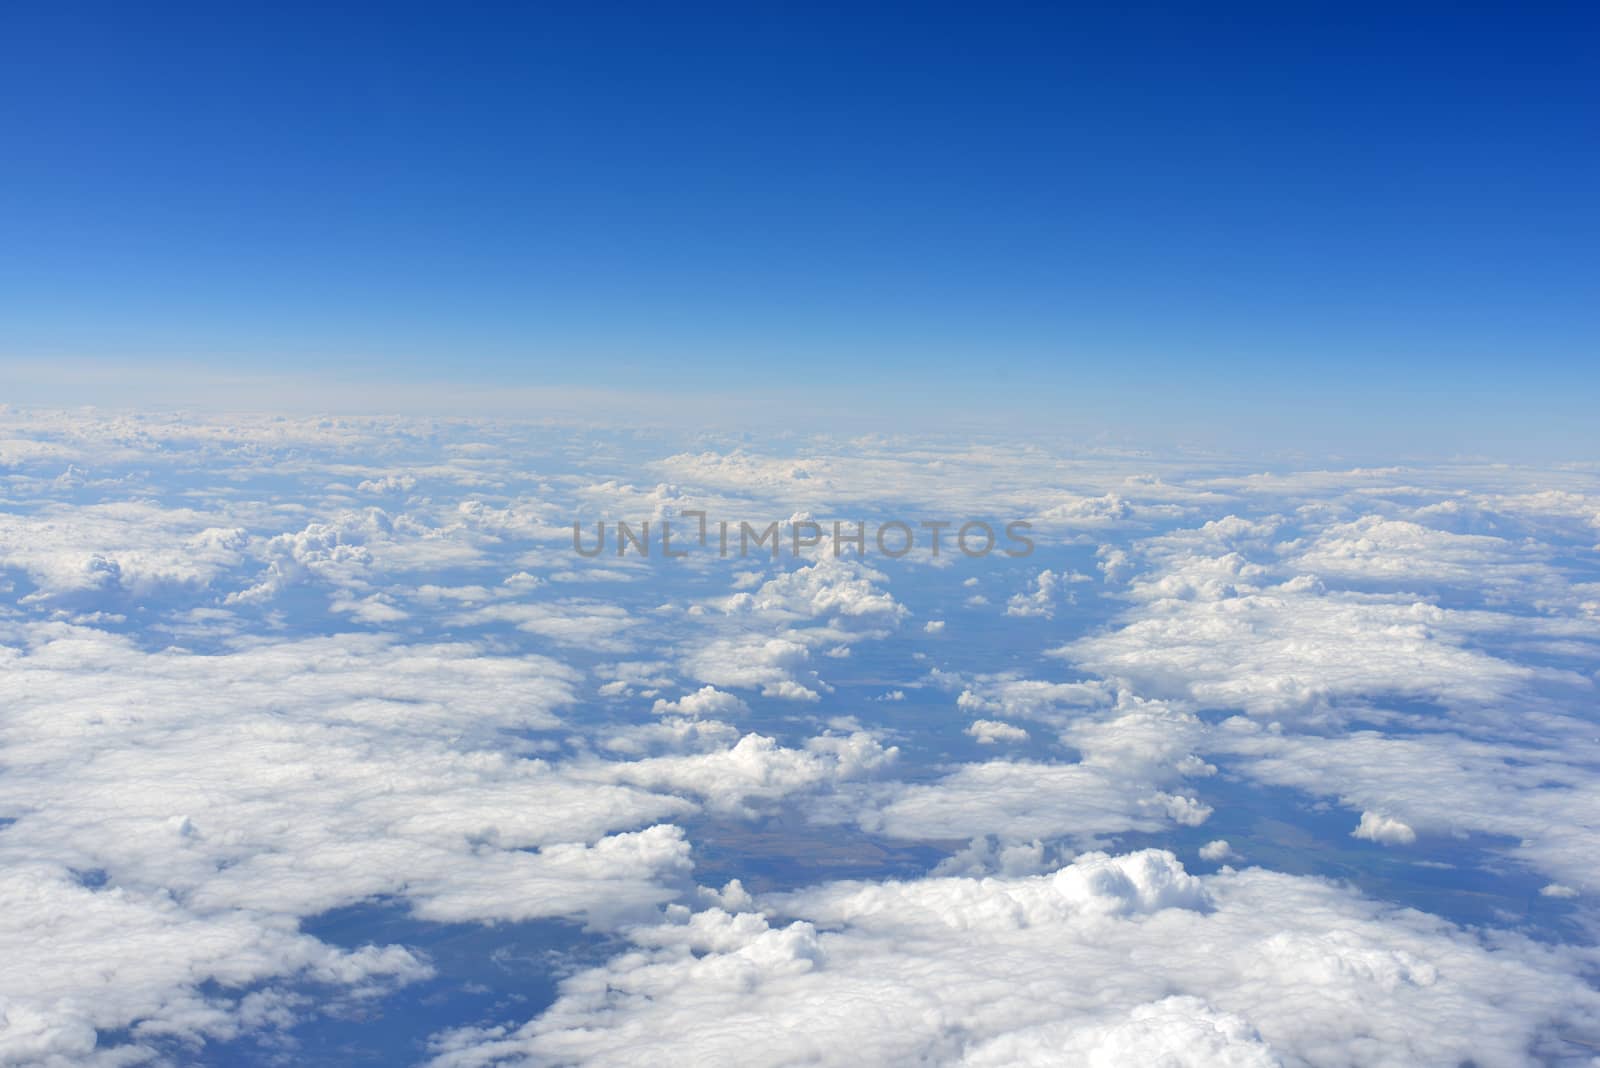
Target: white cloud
column 1414, row 645
column 1135, row 757
column 828, row 587
column 1180, row 1032
column 224, row 796
column 990, row 731
column 1056, row 703
column 388, row 484
column 1217, row 631
column 755, row 770
column 374, row 609
column 1027, row 799
column 1376, row 827
column 1107, row 959
column 587, row 623
column 706, row 701
column 752, row 662
column 988, row 855
column 125, row 547
column 1050, row 589
column 1541, row 796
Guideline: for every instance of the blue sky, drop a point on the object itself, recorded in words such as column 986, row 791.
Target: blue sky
column 320, row 744
column 1348, row 219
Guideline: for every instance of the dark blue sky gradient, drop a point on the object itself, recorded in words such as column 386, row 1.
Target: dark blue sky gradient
column 1274, row 202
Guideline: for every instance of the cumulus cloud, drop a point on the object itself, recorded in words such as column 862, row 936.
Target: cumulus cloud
column 770, row 665
column 706, row 701
column 755, row 770
column 82, row 960
column 1541, row 797
column 1109, row 958
column 765, row 639
column 991, row 854
column 1028, row 799
column 224, row 716
column 1056, row 703
column 223, row 796
column 829, row 587
column 1376, row 827
column 990, row 731
column 118, row 548
column 333, row 552
column 1132, row 774
column 1050, row 589
column 388, row 484
column 1291, row 644
column 587, row 623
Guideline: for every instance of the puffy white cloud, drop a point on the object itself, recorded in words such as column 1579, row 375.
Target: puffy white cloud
column 756, row 769
column 764, row 639
column 828, row 587
column 671, row 734
column 1341, row 623
column 1056, row 703
column 1375, row 550
column 990, row 731
column 1107, row 959
column 376, row 609
column 388, row 484
column 1543, row 797
column 706, row 701
column 333, row 552
column 1027, row 799
column 1176, row 1032
column 1050, row 588
column 1377, row 827
column 81, row 959
column 1079, row 511
column 752, row 662
column 121, row 547
column 604, row 881
column 225, row 796
column 990, row 854
column 205, row 797
column 1133, row 759
column 1215, row 630
column 587, row 623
